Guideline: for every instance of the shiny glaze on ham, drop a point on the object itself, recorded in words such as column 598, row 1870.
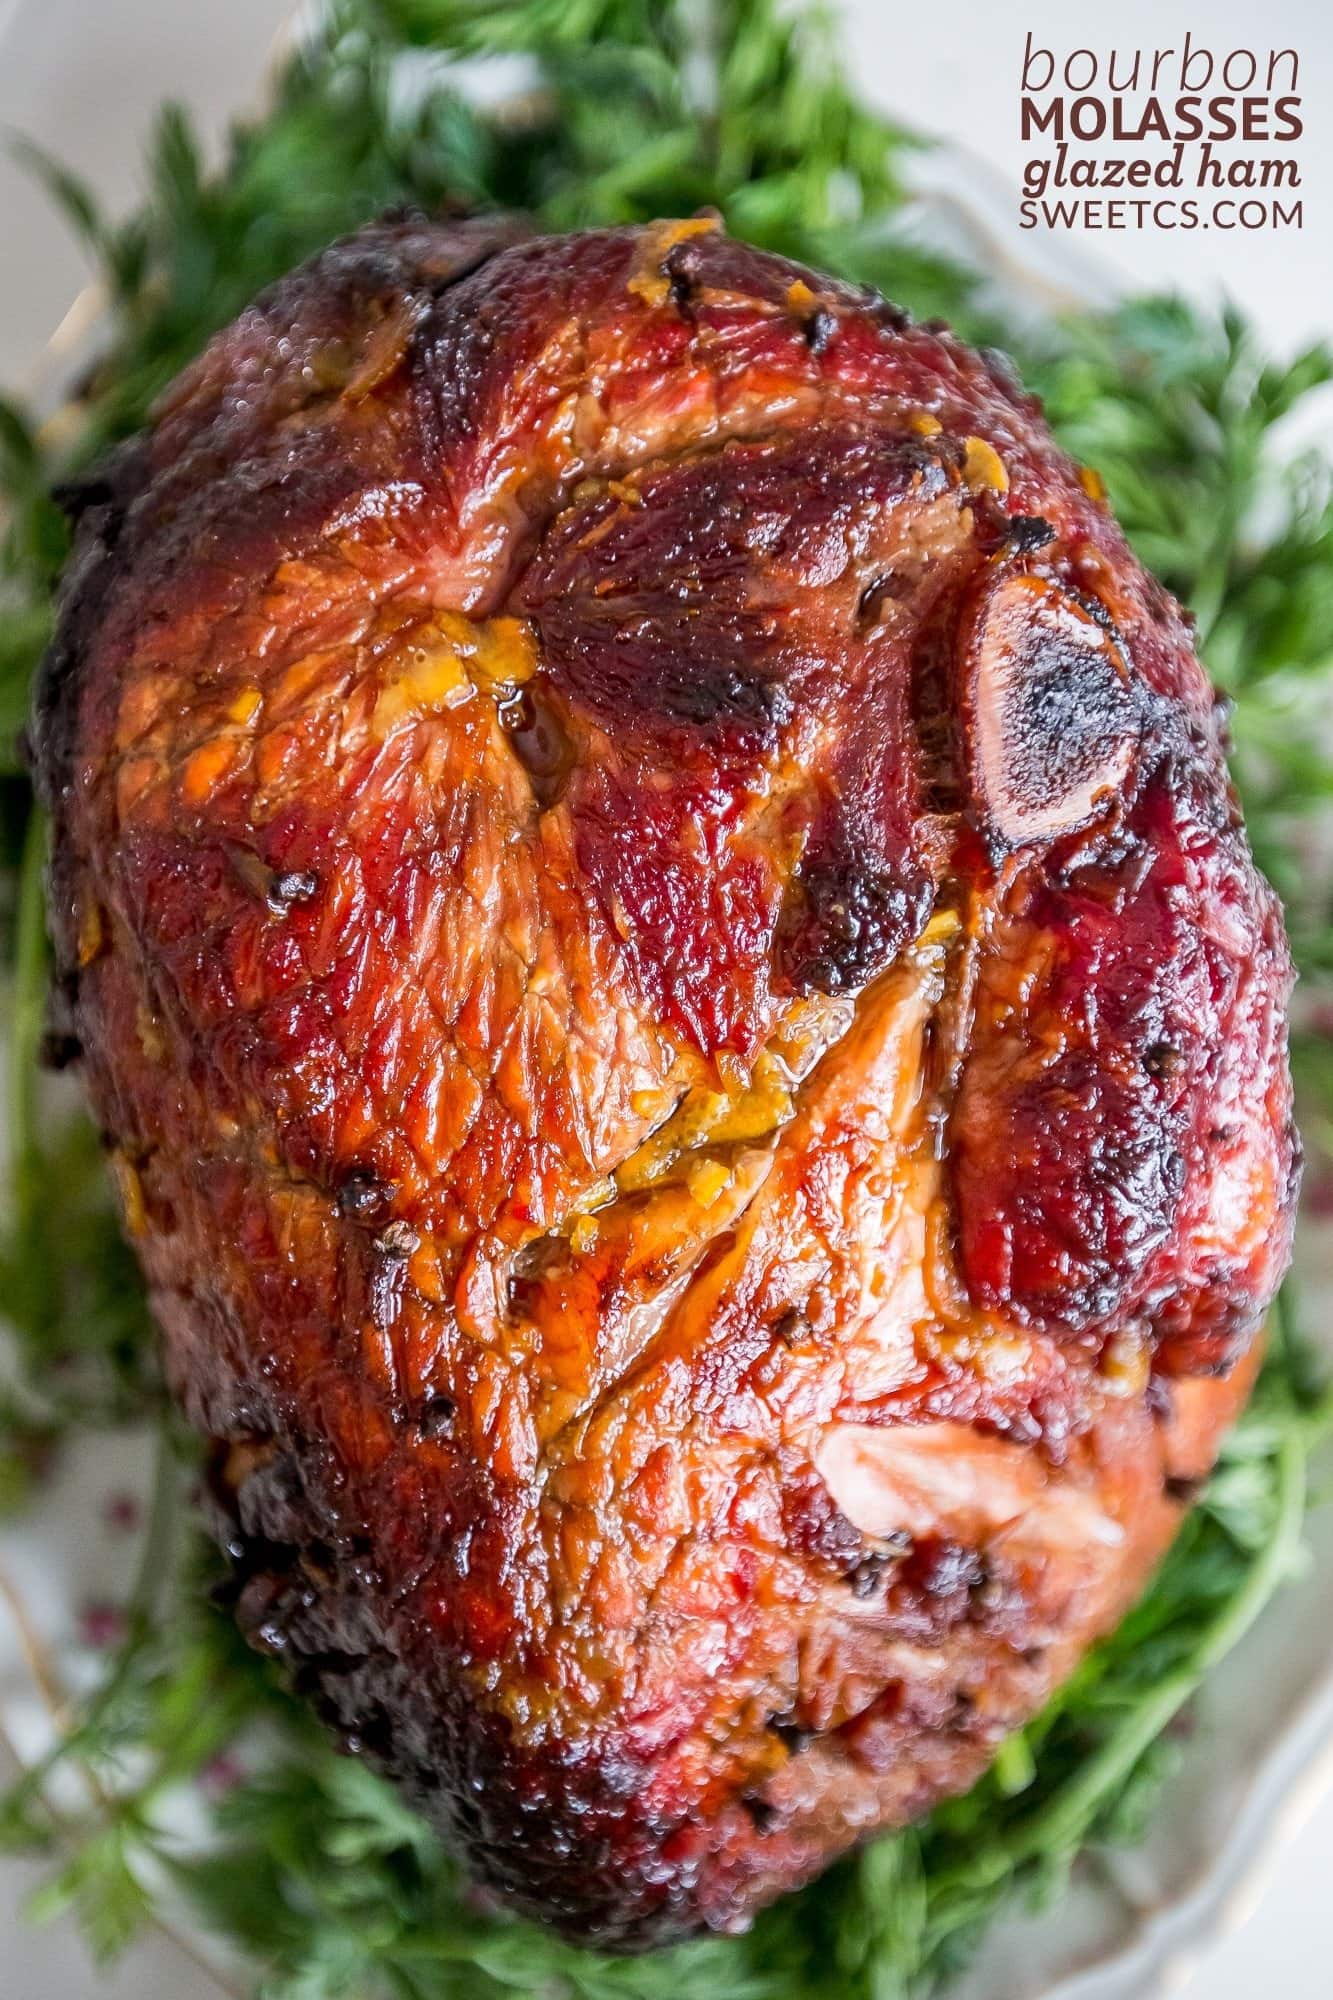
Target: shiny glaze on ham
column 691, row 1045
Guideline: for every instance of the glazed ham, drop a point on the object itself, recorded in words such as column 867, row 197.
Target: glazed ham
column 691, row 1044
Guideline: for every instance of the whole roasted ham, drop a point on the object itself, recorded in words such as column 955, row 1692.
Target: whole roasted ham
column 689, row 1038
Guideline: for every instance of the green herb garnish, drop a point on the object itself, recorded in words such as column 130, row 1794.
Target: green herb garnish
column 315, row 1871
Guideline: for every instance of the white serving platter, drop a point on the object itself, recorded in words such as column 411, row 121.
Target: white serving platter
column 1261, row 1753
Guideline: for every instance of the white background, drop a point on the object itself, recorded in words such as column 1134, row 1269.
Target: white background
column 84, row 76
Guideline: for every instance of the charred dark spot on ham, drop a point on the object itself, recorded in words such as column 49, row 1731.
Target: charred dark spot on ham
column 820, row 329
column 363, row 1195
column 848, row 921
column 683, row 265
column 437, row 1417
column 1025, row 533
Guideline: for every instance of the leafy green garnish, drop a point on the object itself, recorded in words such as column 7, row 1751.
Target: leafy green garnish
column 630, row 109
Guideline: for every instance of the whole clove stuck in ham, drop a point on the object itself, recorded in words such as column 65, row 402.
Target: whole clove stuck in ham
column 690, row 1043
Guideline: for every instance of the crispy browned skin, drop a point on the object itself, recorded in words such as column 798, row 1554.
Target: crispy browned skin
column 694, row 1051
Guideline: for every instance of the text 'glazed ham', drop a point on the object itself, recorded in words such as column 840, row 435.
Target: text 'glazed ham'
column 691, row 1044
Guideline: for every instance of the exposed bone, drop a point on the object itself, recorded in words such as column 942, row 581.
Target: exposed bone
column 1052, row 718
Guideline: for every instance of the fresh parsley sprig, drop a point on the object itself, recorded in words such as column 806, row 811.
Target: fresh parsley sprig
column 314, row 1871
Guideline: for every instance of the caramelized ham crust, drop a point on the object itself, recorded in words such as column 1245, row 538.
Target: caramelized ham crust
column 694, row 1053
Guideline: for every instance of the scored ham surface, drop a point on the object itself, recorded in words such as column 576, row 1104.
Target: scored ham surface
column 691, row 1045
